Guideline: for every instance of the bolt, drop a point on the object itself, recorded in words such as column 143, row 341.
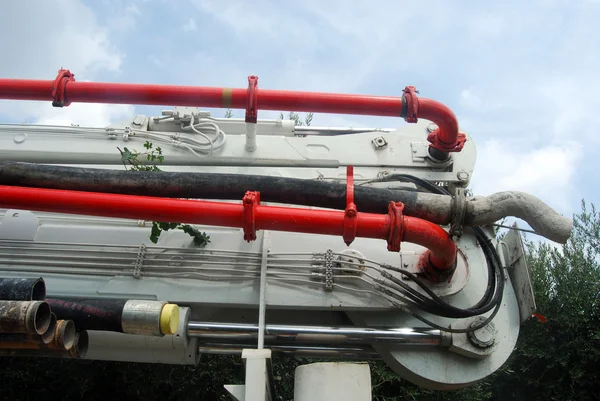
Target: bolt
column 350, row 213
column 432, row 127
column 483, row 337
column 463, row 175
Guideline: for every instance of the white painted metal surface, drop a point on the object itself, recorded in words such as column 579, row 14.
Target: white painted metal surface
column 333, row 381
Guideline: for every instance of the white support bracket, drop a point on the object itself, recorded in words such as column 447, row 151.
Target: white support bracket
column 258, row 384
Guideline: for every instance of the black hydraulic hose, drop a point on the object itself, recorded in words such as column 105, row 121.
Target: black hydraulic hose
column 435, row 207
column 90, row 314
column 22, row 289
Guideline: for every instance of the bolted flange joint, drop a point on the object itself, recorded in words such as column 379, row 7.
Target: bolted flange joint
column 432, row 273
column 436, row 143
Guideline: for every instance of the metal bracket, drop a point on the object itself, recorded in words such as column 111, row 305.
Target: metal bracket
column 59, row 89
column 350, row 218
column 395, row 210
column 459, row 208
column 379, row 143
column 329, row 270
column 250, row 201
column 420, row 154
column 478, row 344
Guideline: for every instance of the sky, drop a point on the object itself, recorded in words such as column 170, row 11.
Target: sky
column 521, row 76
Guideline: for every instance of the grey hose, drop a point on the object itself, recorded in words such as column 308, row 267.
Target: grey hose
column 438, row 209
column 541, row 217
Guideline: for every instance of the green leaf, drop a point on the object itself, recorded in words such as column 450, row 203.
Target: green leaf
column 126, row 155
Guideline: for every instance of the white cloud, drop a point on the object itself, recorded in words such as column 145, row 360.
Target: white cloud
column 189, row 26
column 86, row 115
column 547, row 171
column 48, row 39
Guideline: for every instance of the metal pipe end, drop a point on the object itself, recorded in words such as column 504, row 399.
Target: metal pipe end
column 65, row 335
column 144, row 317
column 37, row 319
column 38, row 290
column 80, row 346
column 48, row 336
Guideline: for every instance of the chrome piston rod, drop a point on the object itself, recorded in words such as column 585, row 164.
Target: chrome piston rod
column 357, row 352
column 276, row 334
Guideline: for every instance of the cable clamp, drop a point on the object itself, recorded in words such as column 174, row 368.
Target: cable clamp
column 139, row 262
column 329, row 270
column 126, row 133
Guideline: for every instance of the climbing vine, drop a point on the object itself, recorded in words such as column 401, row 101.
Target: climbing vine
column 148, row 161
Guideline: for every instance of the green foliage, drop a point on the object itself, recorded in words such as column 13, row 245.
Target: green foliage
column 297, row 119
column 147, row 161
column 560, row 359
column 142, row 161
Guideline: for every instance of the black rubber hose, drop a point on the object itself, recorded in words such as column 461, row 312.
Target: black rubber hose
column 22, row 289
column 90, row 314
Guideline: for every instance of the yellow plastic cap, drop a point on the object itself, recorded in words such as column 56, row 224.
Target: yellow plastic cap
column 169, row 319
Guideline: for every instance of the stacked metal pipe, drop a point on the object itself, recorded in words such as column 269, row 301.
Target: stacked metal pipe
column 35, row 326
column 28, row 327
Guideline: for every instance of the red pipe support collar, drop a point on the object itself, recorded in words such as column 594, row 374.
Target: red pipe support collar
column 59, row 89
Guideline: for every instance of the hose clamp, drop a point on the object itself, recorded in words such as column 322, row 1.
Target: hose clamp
column 459, row 209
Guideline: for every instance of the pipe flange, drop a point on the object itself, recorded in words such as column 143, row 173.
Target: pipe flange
column 459, row 209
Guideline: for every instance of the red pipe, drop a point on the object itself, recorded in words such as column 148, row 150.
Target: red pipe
column 441, row 247
column 65, row 89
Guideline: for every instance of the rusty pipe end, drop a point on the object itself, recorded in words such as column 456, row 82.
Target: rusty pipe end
column 48, row 336
column 37, row 317
column 64, row 337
